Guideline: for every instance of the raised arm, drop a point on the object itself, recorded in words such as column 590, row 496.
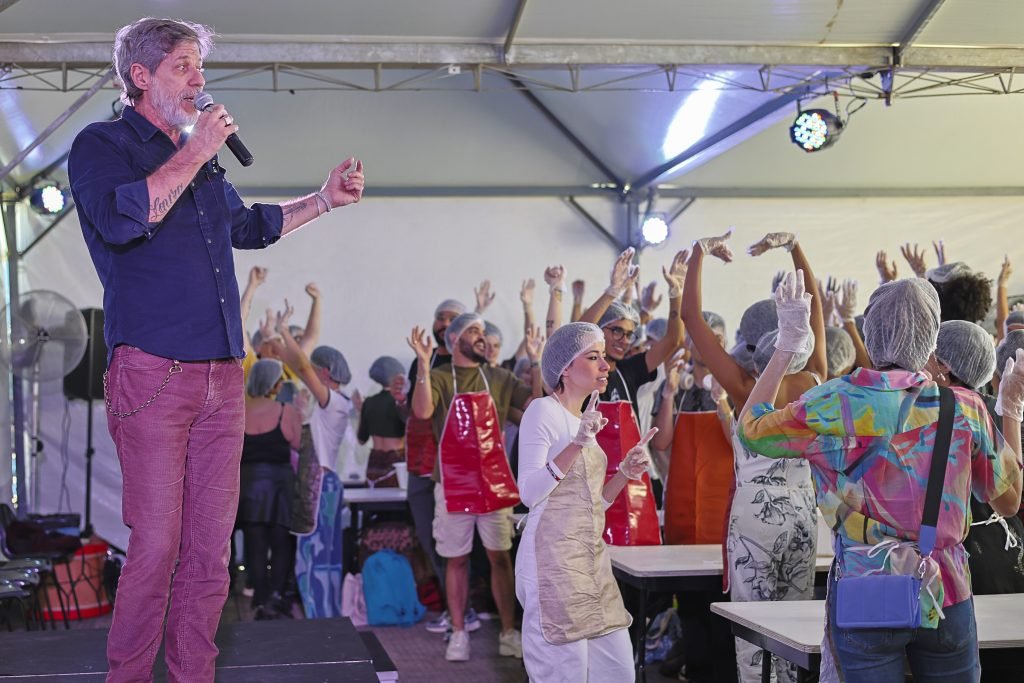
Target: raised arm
column 1002, row 300
column 664, row 419
column 675, row 276
column 846, row 306
column 622, row 271
column 733, row 378
column 298, row 361
column 554, row 276
column 422, row 394
column 887, row 271
column 915, row 258
column 484, row 296
column 311, row 333
column 578, row 289
column 257, row 276
column 344, row 186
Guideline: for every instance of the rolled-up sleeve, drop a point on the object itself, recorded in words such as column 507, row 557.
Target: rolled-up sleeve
column 253, row 227
column 775, row 433
column 107, row 191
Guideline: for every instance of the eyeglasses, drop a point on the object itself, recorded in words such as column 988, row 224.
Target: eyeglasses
column 619, row 333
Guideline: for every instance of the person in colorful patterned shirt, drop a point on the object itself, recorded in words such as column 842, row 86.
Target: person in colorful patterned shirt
column 868, row 438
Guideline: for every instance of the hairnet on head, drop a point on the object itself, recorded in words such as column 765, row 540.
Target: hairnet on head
column 967, row 350
column 450, row 305
column 385, row 369
column 1008, row 348
column 491, row 330
column 839, row 349
column 1015, row 318
column 566, row 344
column 335, row 363
column 458, row 326
column 743, row 356
column 766, row 347
column 859, row 322
column 257, row 339
column 759, row 319
column 263, row 375
column 714, row 321
column 947, row 272
column 619, row 311
column 521, row 366
column 296, row 330
column 901, row 323
column 657, row 329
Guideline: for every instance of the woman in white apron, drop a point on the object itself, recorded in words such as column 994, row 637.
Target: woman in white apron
column 575, row 627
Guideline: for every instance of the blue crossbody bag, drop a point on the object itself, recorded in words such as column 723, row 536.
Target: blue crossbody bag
column 893, row 601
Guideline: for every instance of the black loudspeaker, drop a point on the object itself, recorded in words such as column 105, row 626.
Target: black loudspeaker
column 86, row 380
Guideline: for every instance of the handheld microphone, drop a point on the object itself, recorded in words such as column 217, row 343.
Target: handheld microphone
column 202, row 102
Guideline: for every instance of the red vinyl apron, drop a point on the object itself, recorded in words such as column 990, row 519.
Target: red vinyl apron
column 474, row 468
column 632, row 519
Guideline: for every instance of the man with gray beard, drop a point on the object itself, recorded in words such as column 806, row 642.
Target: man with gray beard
column 160, row 221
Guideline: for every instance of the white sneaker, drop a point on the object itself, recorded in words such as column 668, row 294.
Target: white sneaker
column 458, row 647
column 510, row 644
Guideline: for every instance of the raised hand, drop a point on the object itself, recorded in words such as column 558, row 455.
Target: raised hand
column 484, row 296
column 636, row 462
column 632, row 289
column 534, row 344
column 554, row 276
column 717, row 246
column 940, row 251
column 281, row 322
column 886, row 270
column 1005, row 272
column 648, row 301
column 313, row 291
column 622, row 271
column 915, row 257
column 578, row 287
column 257, row 276
column 344, row 184
column 846, row 302
column 773, row 240
column 591, row 422
column 1011, row 388
column 526, row 292
column 675, row 274
column 422, row 345
column 793, row 304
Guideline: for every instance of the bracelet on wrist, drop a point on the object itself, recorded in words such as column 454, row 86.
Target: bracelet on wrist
column 327, row 204
column 552, row 472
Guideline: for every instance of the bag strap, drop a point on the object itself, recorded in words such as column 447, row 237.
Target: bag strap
column 937, row 472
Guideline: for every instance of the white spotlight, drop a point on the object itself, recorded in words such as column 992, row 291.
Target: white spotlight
column 654, row 229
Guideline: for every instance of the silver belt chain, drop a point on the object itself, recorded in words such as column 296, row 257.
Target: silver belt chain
column 174, row 370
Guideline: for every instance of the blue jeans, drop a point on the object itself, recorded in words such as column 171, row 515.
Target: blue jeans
column 948, row 653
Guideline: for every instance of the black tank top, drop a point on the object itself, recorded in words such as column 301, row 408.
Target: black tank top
column 269, row 447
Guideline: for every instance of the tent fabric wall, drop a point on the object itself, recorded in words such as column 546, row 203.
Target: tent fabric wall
column 384, row 264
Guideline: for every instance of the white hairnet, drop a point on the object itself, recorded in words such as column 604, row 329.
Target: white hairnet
column 450, row 305
column 901, row 323
column 657, row 329
column 759, row 319
column 331, row 358
column 619, row 311
column 458, row 326
column 744, row 356
column 1015, row 318
column 385, row 369
column 766, row 347
column 967, row 350
column 566, row 344
column 263, row 375
column 491, row 330
column 714, row 321
column 839, row 349
column 1008, row 348
column 947, row 272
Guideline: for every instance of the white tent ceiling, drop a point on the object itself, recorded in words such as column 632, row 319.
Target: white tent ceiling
column 637, row 84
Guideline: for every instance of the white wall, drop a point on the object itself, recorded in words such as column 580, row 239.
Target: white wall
column 384, row 265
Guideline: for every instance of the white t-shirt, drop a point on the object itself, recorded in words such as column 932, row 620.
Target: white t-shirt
column 329, row 426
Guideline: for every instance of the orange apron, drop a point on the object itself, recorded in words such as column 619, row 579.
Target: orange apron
column 474, row 468
column 699, row 479
column 632, row 519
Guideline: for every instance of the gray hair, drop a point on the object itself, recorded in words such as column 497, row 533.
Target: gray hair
column 147, row 42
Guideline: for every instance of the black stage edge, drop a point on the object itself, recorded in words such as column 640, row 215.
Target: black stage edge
column 282, row 651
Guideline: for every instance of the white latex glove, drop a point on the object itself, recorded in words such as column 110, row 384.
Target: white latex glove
column 637, row 461
column 716, row 246
column 1011, row 388
column 794, row 308
column 846, row 302
column 591, row 422
column 623, row 272
column 773, row 240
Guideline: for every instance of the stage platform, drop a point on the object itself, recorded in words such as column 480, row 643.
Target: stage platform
column 284, row 651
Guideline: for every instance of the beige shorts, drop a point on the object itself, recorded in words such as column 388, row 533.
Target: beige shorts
column 453, row 531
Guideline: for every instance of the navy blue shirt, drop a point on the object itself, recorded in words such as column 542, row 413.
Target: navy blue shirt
column 168, row 288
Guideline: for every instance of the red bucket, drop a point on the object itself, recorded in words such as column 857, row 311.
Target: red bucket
column 81, row 587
